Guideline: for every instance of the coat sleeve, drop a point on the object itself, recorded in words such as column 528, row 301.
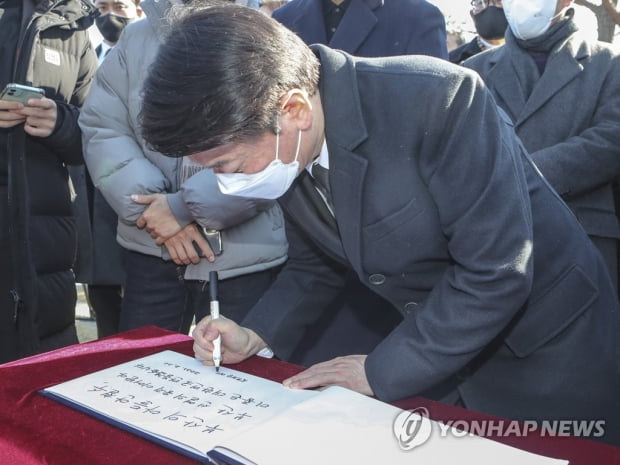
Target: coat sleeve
column 201, row 200
column 114, row 157
column 428, row 34
column 476, row 180
column 591, row 158
column 308, row 282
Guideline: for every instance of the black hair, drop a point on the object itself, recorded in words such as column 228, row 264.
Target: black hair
column 218, row 76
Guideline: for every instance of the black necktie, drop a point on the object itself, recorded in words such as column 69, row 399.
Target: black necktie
column 321, row 180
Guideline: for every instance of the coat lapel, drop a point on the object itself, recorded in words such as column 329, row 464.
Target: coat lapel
column 505, row 83
column 306, row 207
column 566, row 68
column 310, row 23
column 345, row 130
column 347, row 172
column 356, row 25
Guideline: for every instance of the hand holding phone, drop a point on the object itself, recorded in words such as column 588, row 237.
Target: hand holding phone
column 19, row 93
column 39, row 118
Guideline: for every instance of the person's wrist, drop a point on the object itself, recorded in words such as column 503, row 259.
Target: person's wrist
column 255, row 343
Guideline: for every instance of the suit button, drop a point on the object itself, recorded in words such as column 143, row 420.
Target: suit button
column 410, row 307
column 376, row 279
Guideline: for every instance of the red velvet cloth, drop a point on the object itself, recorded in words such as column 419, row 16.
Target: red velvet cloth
column 35, row 430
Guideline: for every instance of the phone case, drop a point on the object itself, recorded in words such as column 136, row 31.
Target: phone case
column 19, row 93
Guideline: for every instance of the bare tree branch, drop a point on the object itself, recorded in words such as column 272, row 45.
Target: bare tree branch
column 611, row 10
column 590, row 6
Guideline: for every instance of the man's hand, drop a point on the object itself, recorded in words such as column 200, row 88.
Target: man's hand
column 238, row 343
column 345, row 371
column 157, row 219
column 10, row 114
column 181, row 246
column 41, row 115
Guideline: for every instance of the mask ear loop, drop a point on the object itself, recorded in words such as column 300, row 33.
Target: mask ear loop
column 278, row 137
column 278, row 145
column 298, row 146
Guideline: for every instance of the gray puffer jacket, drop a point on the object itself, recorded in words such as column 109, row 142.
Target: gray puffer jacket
column 121, row 164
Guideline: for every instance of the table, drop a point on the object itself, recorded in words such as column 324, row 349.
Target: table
column 35, row 430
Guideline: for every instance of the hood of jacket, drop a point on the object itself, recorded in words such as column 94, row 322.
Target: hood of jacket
column 156, row 13
column 70, row 14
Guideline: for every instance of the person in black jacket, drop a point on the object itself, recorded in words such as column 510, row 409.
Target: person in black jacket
column 43, row 44
column 490, row 22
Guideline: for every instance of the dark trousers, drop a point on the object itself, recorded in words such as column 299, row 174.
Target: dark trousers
column 105, row 302
column 156, row 293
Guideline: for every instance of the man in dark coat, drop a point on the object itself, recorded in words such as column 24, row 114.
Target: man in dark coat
column 43, row 44
column 369, row 28
column 563, row 95
column 507, row 307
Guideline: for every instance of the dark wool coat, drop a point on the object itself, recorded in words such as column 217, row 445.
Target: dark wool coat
column 570, row 124
column 372, row 28
column 441, row 211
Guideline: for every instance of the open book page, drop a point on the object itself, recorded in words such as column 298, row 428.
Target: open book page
column 342, row 426
column 174, row 398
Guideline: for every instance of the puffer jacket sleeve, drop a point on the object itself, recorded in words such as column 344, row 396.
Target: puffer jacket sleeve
column 200, row 198
column 115, row 159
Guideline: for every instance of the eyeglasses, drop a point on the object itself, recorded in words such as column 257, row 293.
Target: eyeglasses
column 479, row 5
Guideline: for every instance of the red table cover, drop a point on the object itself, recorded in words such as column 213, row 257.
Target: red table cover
column 35, row 430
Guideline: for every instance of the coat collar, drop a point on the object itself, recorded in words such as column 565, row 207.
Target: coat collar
column 72, row 14
column 156, row 12
column 566, row 61
column 357, row 23
column 345, row 130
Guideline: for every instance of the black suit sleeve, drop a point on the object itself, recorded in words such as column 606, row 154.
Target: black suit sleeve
column 309, row 281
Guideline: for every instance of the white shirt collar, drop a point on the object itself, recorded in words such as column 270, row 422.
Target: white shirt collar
column 104, row 50
column 322, row 159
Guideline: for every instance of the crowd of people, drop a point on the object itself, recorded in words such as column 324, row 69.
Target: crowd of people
column 401, row 218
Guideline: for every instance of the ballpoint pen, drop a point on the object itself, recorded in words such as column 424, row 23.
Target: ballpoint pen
column 215, row 314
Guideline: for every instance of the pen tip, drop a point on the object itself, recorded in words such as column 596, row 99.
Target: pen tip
column 217, row 369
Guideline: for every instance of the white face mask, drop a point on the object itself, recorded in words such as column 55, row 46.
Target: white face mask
column 270, row 183
column 529, row 18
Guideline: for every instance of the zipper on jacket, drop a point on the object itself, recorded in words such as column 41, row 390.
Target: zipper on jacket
column 18, row 304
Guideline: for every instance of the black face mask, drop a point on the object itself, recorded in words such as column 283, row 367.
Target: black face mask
column 491, row 23
column 111, row 26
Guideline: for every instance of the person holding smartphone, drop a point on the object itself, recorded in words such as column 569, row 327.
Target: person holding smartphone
column 39, row 137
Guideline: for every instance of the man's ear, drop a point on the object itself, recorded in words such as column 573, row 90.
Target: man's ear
column 296, row 106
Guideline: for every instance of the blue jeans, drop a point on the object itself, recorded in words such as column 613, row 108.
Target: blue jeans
column 156, row 293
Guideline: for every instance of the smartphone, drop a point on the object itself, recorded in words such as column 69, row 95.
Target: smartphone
column 214, row 238
column 20, row 93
